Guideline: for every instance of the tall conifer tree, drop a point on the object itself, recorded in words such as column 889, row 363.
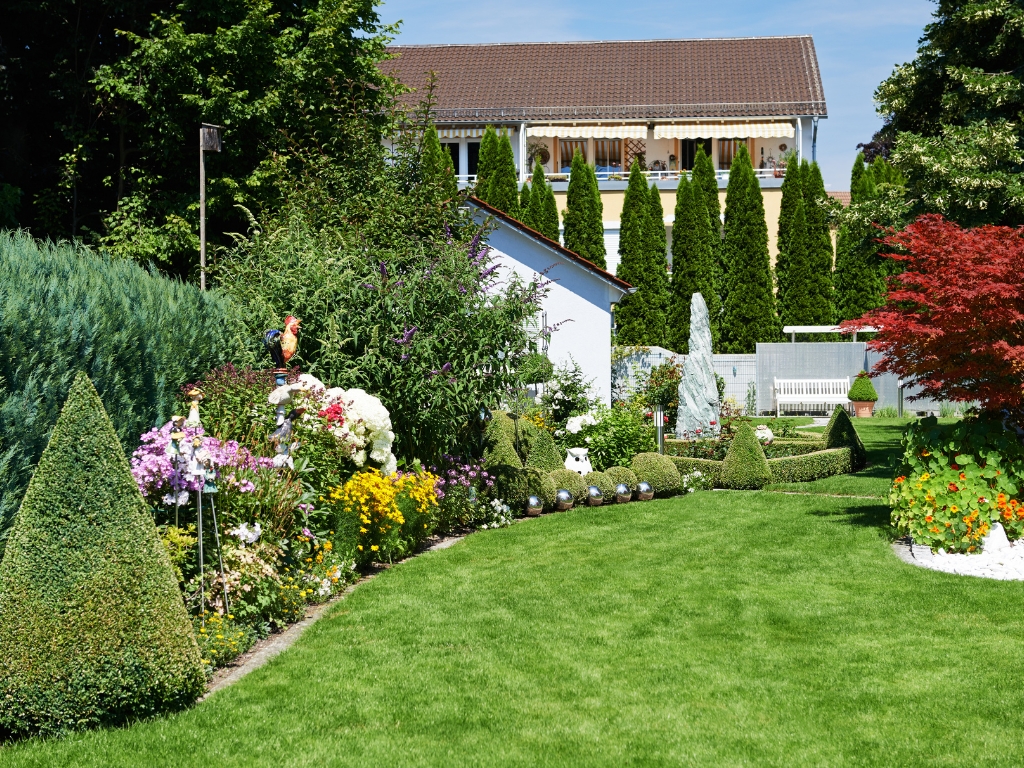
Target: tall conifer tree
column 639, row 317
column 749, row 315
column 795, row 291
column 792, row 195
column 704, row 174
column 524, row 205
column 859, row 281
column 692, row 267
column 583, row 218
column 538, row 186
column 549, row 225
column 819, row 248
column 503, row 185
column 436, row 166
column 485, row 161
column 659, row 237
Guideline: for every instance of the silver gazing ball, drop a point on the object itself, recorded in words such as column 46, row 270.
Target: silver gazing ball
column 644, row 491
column 534, row 506
column 622, row 493
column 563, row 500
column 594, row 496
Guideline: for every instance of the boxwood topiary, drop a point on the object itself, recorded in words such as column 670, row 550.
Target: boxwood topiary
column 570, row 481
column 511, row 485
column 602, row 481
column 710, row 470
column 543, row 453
column 92, row 626
column 863, row 390
column 540, row 484
column 657, row 470
column 840, row 433
column 813, row 466
column 745, row 466
column 622, row 475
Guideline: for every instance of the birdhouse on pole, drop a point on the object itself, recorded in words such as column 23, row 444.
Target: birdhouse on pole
column 209, row 141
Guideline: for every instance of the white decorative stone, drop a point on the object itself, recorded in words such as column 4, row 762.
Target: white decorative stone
column 998, row 559
column 764, row 434
column 578, row 461
column 699, row 406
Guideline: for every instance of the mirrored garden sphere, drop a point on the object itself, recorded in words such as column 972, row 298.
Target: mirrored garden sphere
column 644, row 491
column 622, row 493
column 563, row 500
column 534, row 506
column 594, row 496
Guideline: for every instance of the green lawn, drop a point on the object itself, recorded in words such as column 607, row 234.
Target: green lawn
column 719, row 629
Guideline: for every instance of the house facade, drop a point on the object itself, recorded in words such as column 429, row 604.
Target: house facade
column 620, row 101
column 579, row 298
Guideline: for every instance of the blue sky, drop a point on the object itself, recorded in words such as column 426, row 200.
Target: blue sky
column 858, row 43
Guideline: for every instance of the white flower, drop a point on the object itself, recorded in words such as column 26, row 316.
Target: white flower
column 182, row 498
column 576, row 423
column 390, row 465
column 246, row 535
column 309, row 383
column 284, row 460
column 359, row 458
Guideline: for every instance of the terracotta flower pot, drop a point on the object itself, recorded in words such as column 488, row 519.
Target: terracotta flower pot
column 863, row 408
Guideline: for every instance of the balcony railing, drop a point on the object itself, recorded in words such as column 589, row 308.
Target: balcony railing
column 721, row 175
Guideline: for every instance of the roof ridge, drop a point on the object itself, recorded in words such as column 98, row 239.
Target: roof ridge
column 596, row 42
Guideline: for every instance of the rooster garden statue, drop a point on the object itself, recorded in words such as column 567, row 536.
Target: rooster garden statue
column 282, row 344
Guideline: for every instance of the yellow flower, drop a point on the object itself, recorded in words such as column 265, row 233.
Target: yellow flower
column 374, row 548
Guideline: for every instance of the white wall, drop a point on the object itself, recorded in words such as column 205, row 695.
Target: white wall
column 577, row 299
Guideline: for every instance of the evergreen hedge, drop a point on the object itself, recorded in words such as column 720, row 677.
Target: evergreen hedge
column 812, row 466
column 840, row 433
column 543, row 453
column 93, row 630
column 572, row 482
column 486, row 161
column 524, row 206
column 745, row 466
column 659, row 471
column 543, row 213
column 503, row 182
column 693, row 267
column 709, row 469
column 138, row 335
column 603, row 481
column 540, row 484
column 583, row 224
column 622, row 475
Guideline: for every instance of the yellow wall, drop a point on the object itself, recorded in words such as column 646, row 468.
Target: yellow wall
column 612, row 201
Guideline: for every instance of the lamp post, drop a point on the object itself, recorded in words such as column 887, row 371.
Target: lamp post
column 209, row 141
column 659, row 426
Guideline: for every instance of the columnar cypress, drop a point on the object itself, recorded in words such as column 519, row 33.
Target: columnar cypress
column 503, row 185
column 583, row 218
column 862, row 186
column 524, row 205
column 485, row 162
column 639, row 317
column 795, row 291
column 659, row 238
column 535, row 216
column 792, row 194
column 859, row 285
column 436, row 165
column 819, row 248
column 692, row 267
column 704, row 174
column 750, row 302
column 549, row 225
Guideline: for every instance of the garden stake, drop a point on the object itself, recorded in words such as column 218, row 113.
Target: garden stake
column 220, row 558
column 202, row 596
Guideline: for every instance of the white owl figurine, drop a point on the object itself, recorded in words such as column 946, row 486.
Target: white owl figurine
column 764, row 434
column 578, row 461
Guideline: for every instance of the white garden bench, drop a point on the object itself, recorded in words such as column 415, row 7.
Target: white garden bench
column 827, row 392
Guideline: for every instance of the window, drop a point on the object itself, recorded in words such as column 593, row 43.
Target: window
column 473, row 157
column 727, row 149
column 688, row 151
column 566, row 149
column 608, row 154
column 453, row 150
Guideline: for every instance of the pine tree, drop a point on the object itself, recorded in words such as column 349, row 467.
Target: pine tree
column 503, row 185
column 819, row 248
column 792, row 195
column 639, row 317
column 749, row 315
column 692, row 267
column 549, row 225
column 583, row 217
column 524, row 206
column 485, row 162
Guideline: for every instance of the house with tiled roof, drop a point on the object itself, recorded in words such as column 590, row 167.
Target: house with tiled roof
column 619, row 101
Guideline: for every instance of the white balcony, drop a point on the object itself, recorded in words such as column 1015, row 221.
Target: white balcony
column 768, row 177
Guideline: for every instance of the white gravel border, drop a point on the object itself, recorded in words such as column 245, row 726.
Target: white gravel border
column 998, row 559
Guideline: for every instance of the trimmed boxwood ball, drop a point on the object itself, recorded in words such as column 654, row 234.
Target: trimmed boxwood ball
column 840, row 433
column 543, row 453
column 511, row 485
column 659, row 471
column 541, row 485
column 92, row 626
column 745, row 466
column 622, row 475
column 604, row 482
column 572, row 482
column 862, row 391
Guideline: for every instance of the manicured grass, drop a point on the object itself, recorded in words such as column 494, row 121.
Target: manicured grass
column 719, row 629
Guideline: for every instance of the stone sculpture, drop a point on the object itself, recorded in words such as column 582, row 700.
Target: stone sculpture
column 699, row 406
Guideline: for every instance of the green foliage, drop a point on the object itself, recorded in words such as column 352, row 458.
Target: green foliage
column 862, row 390
column 795, row 277
column 487, row 163
column 436, row 164
column 503, row 182
column 658, row 236
column 602, row 481
column 549, row 220
column 622, row 475
column 567, row 395
column 745, row 466
column 840, row 433
column 536, row 368
column 749, row 315
column 139, row 336
column 812, row 466
column 543, row 453
column 10, row 203
column 819, row 247
column 710, row 470
column 704, row 178
column 620, row 433
column 571, row 482
column 584, row 212
column 502, row 436
column 640, row 317
column 792, row 197
column 540, row 484
column 659, row 471
column 511, row 485
column 92, row 625
column 955, row 481
column 693, row 266
column 524, row 206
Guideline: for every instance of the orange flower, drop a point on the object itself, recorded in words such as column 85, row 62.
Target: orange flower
column 963, row 476
column 952, row 487
column 899, row 479
column 928, row 518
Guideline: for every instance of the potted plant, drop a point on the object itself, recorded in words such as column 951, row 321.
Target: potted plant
column 863, row 396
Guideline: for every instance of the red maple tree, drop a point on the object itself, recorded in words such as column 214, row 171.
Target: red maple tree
column 953, row 322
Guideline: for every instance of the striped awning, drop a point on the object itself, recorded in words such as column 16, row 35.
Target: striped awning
column 460, row 133
column 732, row 130
column 589, row 131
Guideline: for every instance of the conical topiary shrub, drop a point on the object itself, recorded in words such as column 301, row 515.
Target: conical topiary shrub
column 862, row 390
column 544, row 454
column 92, row 626
column 840, row 433
column 745, row 466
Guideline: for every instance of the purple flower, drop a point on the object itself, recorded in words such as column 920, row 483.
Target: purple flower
column 383, row 271
column 371, row 286
column 404, row 358
column 307, row 533
column 406, row 336
column 488, row 272
column 462, row 289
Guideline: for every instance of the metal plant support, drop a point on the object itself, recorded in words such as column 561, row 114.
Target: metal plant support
column 209, row 141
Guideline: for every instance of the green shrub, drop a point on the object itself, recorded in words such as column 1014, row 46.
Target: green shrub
column 572, row 482
column 657, row 470
column 862, row 390
column 92, row 625
column 543, row 454
column 535, row 368
column 540, row 484
column 840, row 433
column 745, row 466
column 139, row 336
column 511, row 485
column 711, row 471
column 602, row 481
column 621, row 432
column 886, row 412
column 813, row 466
column 622, row 475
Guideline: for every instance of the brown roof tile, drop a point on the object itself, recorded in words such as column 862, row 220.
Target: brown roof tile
column 842, row 197
column 642, row 79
